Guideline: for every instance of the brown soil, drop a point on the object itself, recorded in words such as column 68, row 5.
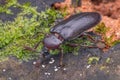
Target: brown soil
column 109, row 9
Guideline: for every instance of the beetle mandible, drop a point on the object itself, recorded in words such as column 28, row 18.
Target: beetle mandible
column 67, row 30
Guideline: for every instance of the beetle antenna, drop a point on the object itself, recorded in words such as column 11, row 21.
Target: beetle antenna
column 30, row 49
column 36, row 45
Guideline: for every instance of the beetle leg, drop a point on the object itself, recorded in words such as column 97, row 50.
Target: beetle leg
column 73, row 45
column 89, row 36
column 76, row 45
column 37, row 34
column 97, row 42
column 32, row 49
column 61, row 57
column 36, row 45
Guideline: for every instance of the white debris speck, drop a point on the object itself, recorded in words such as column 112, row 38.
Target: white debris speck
column 56, row 69
column 51, row 61
column 47, row 74
column 117, row 33
column 9, row 78
column 4, row 70
column 88, row 66
column 64, row 69
column 43, row 66
column 80, row 74
column 34, row 62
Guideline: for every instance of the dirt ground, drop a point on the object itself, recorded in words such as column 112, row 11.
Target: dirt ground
column 76, row 66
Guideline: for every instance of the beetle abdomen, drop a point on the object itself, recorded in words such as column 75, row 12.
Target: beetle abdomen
column 76, row 24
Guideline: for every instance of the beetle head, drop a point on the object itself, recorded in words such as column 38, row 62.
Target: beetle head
column 51, row 41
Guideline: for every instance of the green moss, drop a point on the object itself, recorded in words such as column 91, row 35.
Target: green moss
column 108, row 40
column 108, row 60
column 93, row 60
column 116, row 42
column 6, row 5
column 24, row 31
column 101, row 28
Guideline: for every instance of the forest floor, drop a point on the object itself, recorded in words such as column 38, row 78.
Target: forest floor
column 76, row 67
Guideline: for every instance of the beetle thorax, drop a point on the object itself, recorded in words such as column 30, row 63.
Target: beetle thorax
column 52, row 41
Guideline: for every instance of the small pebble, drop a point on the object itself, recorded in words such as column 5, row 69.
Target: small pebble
column 64, row 69
column 58, row 67
column 9, row 78
column 47, row 73
column 43, row 66
column 4, row 70
column 55, row 69
column 52, row 61
column 80, row 74
column 88, row 66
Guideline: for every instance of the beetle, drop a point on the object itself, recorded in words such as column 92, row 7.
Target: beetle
column 69, row 29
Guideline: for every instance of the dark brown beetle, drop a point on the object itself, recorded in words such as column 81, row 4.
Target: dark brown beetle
column 69, row 29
